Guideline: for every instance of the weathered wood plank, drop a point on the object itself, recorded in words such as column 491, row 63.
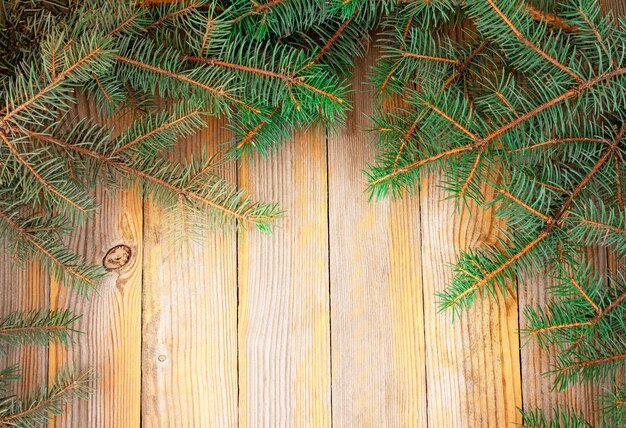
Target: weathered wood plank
column 536, row 361
column 284, row 346
column 189, row 355
column 472, row 364
column 111, row 317
column 377, row 309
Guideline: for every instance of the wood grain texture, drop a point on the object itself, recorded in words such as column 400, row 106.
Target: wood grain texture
column 189, row 356
column 472, row 363
column 111, row 317
column 537, row 362
column 376, row 277
column 284, row 345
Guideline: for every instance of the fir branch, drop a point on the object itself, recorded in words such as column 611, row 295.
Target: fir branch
column 260, row 7
column 540, row 330
column 553, row 141
column 430, row 58
column 530, row 44
column 220, row 92
column 81, row 276
column 7, row 374
column 331, row 40
column 193, row 114
column 534, row 417
column 550, row 18
column 389, row 74
column 47, row 185
column 618, row 185
column 250, row 135
column 585, row 295
column 592, row 362
column 530, row 209
column 173, row 14
column 54, row 82
column 461, row 67
column 257, row 214
column 290, row 79
column 37, row 327
column 479, row 142
column 37, row 408
column 459, row 294
column 614, row 406
column 595, row 31
column 472, row 173
column 603, row 226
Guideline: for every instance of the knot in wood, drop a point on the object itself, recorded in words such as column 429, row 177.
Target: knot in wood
column 117, row 257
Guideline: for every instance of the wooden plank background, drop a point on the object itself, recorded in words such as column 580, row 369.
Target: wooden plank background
column 329, row 321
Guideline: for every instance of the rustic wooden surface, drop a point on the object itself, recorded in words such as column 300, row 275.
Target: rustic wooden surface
column 329, row 321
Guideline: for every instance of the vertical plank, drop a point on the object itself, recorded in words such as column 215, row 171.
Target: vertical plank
column 111, row 318
column 376, row 277
column 23, row 288
column 472, row 364
column 284, row 347
column 189, row 356
column 536, row 361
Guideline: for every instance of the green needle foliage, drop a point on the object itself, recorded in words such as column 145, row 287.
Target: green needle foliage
column 529, row 103
column 38, row 327
column 560, row 418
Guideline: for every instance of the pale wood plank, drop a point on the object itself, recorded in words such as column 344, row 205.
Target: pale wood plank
column 376, row 277
column 536, row 361
column 111, row 317
column 472, row 364
column 189, row 356
column 284, row 347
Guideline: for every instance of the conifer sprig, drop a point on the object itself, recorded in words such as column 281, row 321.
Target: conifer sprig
column 559, row 418
column 38, row 327
column 40, row 406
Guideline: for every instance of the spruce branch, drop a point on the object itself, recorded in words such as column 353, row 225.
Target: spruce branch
column 292, row 80
column 560, row 417
column 37, row 327
column 161, row 175
column 523, row 39
column 39, row 406
column 550, row 18
column 7, row 375
column 479, row 142
column 219, row 92
column 331, row 41
column 40, row 237
column 463, row 288
column 614, row 406
column 80, row 202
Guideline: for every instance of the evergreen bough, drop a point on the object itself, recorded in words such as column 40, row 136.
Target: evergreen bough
column 529, row 104
column 38, row 327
